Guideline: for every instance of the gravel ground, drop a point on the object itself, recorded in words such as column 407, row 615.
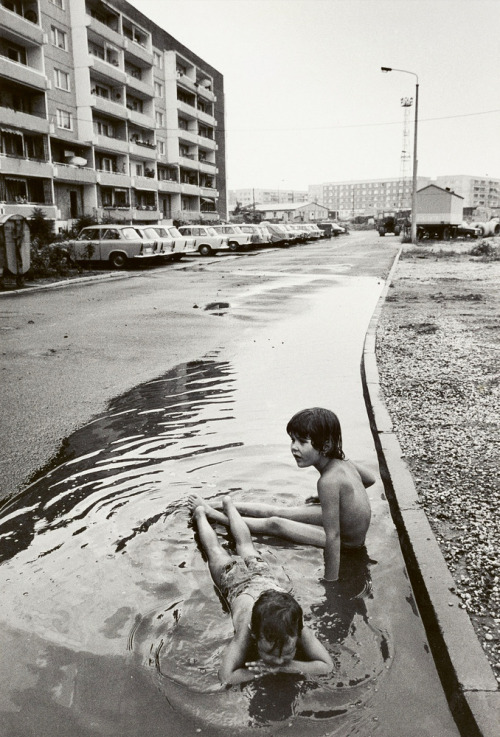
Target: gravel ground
column 438, row 357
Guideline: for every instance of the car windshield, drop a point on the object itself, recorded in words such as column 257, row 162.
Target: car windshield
column 151, row 232
column 175, row 233
column 89, row 235
column 129, row 234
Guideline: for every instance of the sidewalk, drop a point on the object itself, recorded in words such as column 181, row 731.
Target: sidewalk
column 468, row 680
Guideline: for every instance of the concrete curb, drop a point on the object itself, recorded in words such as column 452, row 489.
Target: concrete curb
column 65, row 283
column 466, row 675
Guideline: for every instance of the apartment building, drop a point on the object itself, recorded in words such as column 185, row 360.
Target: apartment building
column 102, row 112
column 476, row 191
column 255, row 196
column 366, row 196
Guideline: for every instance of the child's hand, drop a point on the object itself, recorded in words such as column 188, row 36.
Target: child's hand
column 259, row 668
column 312, row 500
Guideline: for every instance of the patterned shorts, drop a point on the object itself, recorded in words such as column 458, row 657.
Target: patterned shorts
column 250, row 575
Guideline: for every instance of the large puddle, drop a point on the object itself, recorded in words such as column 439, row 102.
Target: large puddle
column 110, row 622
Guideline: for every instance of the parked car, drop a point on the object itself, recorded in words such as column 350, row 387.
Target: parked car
column 302, row 233
column 276, row 234
column 235, row 236
column 259, row 235
column 164, row 244
column 313, row 229
column 469, row 230
column 118, row 244
column 206, row 239
column 182, row 244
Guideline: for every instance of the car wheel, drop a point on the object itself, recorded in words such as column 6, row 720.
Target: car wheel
column 381, row 231
column 118, row 260
column 233, row 245
column 204, row 249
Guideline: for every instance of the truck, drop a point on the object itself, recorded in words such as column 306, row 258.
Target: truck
column 390, row 222
column 439, row 213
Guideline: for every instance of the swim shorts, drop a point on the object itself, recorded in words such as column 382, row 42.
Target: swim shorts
column 250, row 575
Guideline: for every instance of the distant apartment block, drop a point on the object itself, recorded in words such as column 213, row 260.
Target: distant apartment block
column 104, row 113
column 476, row 191
column 365, row 196
column 249, row 197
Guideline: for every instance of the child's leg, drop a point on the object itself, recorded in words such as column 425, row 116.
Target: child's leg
column 217, row 556
column 307, row 513
column 239, row 530
column 305, row 534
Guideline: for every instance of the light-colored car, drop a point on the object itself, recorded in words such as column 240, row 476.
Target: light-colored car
column 301, row 231
column 278, row 233
column 117, row 243
column 181, row 244
column 259, row 235
column 235, row 236
column 313, row 229
column 206, row 239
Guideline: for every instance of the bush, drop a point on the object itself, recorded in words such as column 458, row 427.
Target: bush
column 41, row 228
column 49, row 260
column 487, row 250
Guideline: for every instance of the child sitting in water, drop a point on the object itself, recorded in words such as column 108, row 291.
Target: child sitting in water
column 342, row 517
column 269, row 634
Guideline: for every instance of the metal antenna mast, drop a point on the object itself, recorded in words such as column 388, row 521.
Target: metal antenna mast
column 404, row 191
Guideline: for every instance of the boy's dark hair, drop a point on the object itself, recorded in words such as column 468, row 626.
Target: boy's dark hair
column 322, row 426
column 277, row 616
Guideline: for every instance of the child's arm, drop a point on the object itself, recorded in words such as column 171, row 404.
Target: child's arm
column 367, row 476
column 329, row 497
column 232, row 668
column 319, row 661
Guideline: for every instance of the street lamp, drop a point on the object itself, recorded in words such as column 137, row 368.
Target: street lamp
column 414, row 184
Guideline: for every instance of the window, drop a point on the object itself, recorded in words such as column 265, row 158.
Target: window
column 58, row 38
column 139, row 170
column 161, row 148
column 64, row 120
column 158, row 89
column 159, row 117
column 157, row 60
column 16, row 53
column 105, row 129
column 58, row 3
column 61, row 79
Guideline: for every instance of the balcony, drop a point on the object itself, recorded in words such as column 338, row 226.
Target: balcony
column 209, row 192
column 141, row 119
column 192, row 189
column 143, row 150
column 189, row 162
column 23, row 74
column 26, row 209
column 115, row 109
column 205, row 93
column 117, row 214
column 206, row 118
column 187, row 135
column 165, row 185
column 116, row 145
column 29, row 31
column 187, row 109
column 208, row 167
column 113, row 179
column 142, row 213
column 105, row 32
column 72, row 173
column 145, row 183
column 207, row 143
column 138, row 51
column 24, row 120
column 109, row 71
column 25, row 167
column 136, row 85
column 184, row 81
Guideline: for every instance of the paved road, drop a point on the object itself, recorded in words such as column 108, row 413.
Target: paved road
column 66, row 352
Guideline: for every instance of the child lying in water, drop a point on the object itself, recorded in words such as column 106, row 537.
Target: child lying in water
column 269, row 633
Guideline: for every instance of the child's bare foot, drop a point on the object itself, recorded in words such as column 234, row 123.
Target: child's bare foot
column 194, row 500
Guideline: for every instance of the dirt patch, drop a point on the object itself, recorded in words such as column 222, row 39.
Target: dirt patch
column 439, row 371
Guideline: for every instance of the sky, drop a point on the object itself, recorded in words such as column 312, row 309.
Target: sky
column 305, row 99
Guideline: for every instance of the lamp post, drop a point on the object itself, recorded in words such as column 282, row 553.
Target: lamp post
column 414, row 184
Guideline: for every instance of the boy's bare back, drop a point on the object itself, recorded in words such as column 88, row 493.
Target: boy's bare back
column 341, row 479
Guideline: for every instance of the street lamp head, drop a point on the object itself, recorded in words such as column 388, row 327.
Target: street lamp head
column 386, row 69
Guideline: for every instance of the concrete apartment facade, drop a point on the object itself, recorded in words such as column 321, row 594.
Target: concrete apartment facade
column 254, row 196
column 104, row 113
column 476, row 191
column 363, row 197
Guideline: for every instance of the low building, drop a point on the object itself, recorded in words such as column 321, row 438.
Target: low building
column 310, row 212
column 254, row 196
